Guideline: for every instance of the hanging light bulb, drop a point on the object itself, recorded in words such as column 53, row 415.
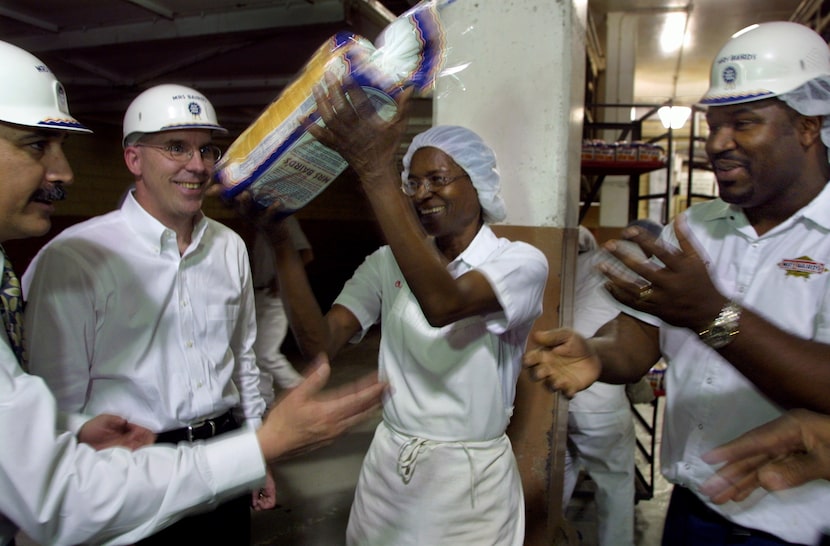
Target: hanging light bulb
column 674, row 117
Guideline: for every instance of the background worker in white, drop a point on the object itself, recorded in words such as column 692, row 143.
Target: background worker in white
column 150, row 308
column 600, row 427
column 276, row 371
column 455, row 305
column 62, row 492
column 740, row 300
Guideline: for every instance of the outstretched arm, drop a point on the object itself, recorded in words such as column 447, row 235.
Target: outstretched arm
column 622, row 351
column 790, row 370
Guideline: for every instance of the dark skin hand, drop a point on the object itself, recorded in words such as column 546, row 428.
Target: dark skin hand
column 681, row 293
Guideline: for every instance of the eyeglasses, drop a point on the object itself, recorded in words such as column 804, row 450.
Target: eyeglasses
column 210, row 153
column 410, row 186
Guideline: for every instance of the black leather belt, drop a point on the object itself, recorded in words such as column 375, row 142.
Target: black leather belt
column 199, row 431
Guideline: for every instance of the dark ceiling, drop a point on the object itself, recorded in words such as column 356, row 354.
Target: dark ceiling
column 239, row 53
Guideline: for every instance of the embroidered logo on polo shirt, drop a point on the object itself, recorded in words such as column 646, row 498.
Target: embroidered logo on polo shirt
column 802, row 267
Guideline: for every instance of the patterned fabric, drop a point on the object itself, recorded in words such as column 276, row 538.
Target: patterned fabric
column 12, row 308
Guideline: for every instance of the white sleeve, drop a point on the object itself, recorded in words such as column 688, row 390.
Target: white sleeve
column 62, row 492
column 60, row 308
column 246, row 373
column 518, row 274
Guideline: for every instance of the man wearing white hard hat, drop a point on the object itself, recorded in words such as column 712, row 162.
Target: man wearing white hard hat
column 60, row 491
column 163, row 332
column 739, row 297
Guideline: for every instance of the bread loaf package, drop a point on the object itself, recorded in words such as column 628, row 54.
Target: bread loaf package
column 276, row 158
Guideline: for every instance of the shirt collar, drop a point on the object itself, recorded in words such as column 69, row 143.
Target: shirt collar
column 817, row 210
column 152, row 232
column 478, row 250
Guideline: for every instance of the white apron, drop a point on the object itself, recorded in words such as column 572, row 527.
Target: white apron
column 418, row 492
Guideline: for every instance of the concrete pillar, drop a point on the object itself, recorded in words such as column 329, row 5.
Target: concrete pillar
column 523, row 92
column 620, row 50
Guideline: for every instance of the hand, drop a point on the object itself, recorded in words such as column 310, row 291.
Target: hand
column 354, row 129
column 681, row 293
column 103, row 431
column 269, row 220
column 265, row 498
column 564, row 361
column 784, row 453
column 306, row 418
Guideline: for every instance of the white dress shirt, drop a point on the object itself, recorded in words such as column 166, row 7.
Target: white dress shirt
column 119, row 322
column 708, row 401
column 60, row 492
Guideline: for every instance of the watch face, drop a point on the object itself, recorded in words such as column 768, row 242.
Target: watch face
column 723, row 328
column 718, row 336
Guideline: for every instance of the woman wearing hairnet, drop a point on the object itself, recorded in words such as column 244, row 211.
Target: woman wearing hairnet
column 455, row 305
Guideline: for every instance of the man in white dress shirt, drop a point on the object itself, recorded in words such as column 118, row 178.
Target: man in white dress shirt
column 150, row 308
column 738, row 300
column 56, row 489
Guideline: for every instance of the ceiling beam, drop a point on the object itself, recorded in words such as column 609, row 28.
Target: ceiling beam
column 28, row 19
column 238, row 20
column 153, row 7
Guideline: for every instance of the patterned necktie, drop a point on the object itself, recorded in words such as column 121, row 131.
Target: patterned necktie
column 12, row 308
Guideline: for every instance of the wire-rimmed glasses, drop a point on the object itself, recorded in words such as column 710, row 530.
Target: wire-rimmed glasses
column 410, row 185
column 183, row 153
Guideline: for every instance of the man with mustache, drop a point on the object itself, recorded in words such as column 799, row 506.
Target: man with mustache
column 56, row 489
column 162, row 333
column 738, row 298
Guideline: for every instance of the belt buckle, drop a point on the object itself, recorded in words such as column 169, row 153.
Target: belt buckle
column 196, row 426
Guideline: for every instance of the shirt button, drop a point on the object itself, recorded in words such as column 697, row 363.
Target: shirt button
column 708, row 380
column 189, row 344
column 700, row 426
column 184, row 304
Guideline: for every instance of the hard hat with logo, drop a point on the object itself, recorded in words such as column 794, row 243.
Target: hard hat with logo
column 30, row 94
column 169, row 107
column 766, row 60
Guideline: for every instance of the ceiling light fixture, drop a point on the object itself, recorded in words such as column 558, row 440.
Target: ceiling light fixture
column 673, row 36
column 674, row 117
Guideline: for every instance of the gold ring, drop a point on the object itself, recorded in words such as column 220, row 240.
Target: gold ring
column 645, row 293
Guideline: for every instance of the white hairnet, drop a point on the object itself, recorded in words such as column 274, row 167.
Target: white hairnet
column 812, row 99
column 470, row 152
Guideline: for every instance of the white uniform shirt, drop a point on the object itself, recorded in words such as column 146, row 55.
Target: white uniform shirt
column 708, row 401
column 263, row 266
column 61, row 492
column 457, row 382
column 119, row 322
column 593, row 307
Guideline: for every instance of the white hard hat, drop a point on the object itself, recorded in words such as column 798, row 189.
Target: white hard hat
column 766, row 60
column 30, row 94
column 169, row 107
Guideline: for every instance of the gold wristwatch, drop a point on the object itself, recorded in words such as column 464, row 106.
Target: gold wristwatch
column 724, row 328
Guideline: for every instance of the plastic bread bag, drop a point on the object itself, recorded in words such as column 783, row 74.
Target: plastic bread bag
column 276, row 159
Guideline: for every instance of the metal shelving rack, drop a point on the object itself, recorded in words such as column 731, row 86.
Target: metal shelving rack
column 632, row 131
